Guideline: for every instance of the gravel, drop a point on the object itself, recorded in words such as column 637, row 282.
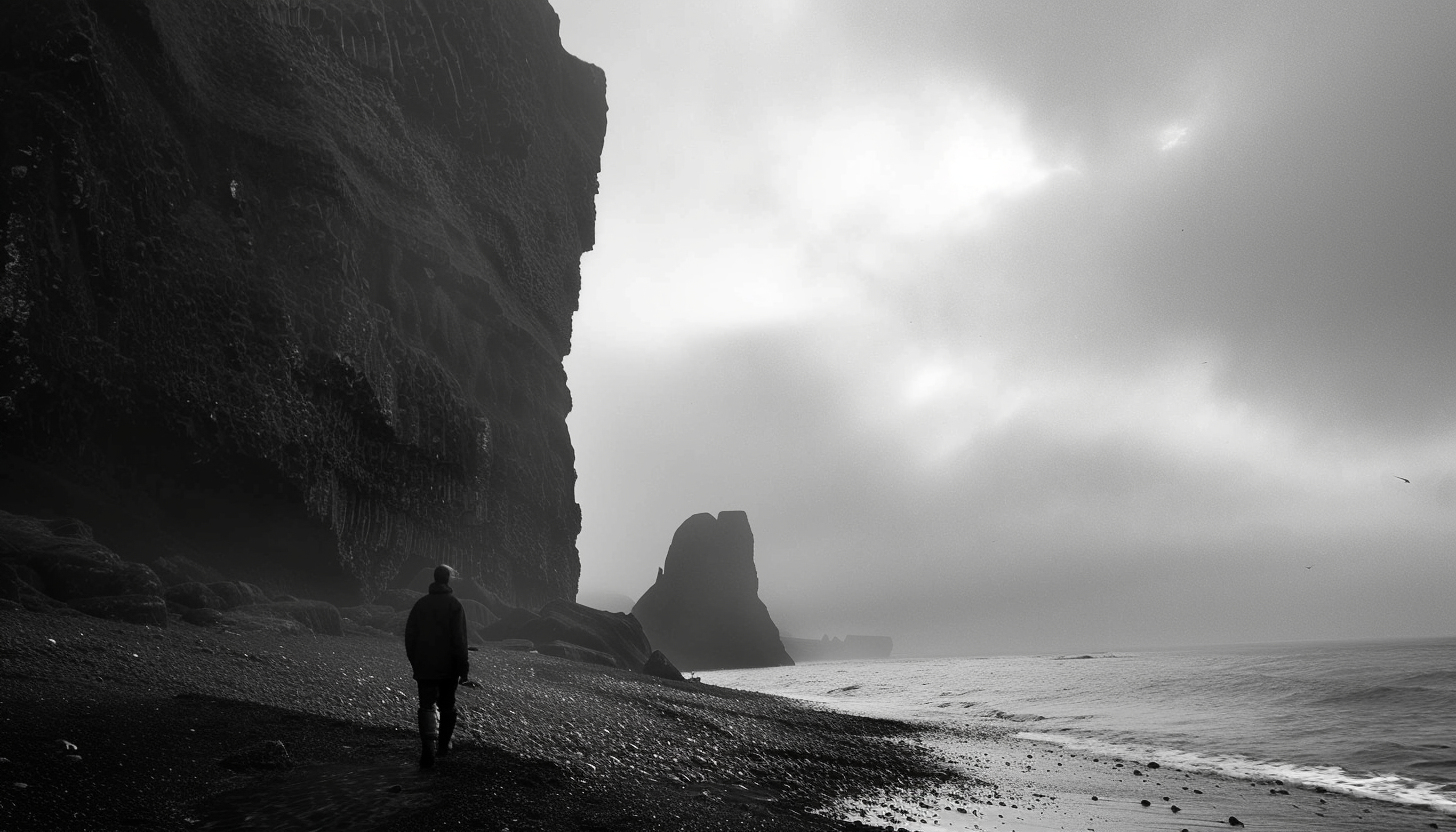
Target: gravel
column 544, row 743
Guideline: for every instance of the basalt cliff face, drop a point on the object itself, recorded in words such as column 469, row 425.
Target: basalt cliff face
column 704, row 611
column 288, row 283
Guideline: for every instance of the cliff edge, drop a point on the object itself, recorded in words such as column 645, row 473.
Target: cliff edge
column 288, row 283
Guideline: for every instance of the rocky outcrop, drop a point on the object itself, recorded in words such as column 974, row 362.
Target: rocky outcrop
column 53, row 566
column 48, row 562
column 659, row 665
column 398, row 599
column 464, row 587
column 195, row 595
column 576, row 653
column 614, row 635
column 704, row 611
column 319, row 616
column 133, row 609
column 287, row 285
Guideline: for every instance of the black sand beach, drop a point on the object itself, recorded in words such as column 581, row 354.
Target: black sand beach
column 107, row 726
column 545, row 743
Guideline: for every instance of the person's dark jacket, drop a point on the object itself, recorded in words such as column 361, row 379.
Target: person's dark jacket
column 434, row 636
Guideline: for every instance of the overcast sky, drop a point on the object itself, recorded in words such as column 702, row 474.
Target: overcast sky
column 1029, row 328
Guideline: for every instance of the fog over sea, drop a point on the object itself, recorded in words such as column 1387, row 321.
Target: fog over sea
column 1372, row 719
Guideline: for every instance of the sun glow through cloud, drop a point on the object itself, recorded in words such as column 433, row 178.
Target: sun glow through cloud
column 912, row 166
column 1172, row 136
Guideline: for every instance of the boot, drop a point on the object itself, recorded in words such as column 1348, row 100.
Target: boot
column 428, row 736
column 447, row 727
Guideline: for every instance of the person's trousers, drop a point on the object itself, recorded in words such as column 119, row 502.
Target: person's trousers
column 441, row 693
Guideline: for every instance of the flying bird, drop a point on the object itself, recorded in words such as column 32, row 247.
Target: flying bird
column 1402, row 479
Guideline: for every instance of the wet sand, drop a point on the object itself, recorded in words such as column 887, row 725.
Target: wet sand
column 1042, row 786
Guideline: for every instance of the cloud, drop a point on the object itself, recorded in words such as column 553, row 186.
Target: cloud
column 910, row 163
column 1172, row 136
column 856, row 531
column 1024, row 324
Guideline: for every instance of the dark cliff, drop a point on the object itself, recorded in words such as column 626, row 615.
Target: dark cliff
column 704, row 611
column 288, row 283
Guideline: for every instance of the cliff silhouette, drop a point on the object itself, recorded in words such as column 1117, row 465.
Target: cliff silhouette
column 288, row 283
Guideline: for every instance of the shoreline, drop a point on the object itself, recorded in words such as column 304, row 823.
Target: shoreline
column 1014, row 780
column 171, row 715
column 1042, row 786
column 117, row 726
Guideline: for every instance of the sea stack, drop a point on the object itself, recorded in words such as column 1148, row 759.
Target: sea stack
column 704, row 611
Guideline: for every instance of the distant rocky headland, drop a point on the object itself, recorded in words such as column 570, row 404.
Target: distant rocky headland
column 287, row 286
column 825, row 649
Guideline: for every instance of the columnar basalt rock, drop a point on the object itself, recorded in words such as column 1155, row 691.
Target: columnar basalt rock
column 704, row 612
column 287, row 284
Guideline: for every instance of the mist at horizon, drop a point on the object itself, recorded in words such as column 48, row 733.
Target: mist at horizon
column 1028, row 328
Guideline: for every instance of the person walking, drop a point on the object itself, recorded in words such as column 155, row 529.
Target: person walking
column 434, row 641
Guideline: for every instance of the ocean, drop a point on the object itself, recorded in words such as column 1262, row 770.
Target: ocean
column 1370, row 719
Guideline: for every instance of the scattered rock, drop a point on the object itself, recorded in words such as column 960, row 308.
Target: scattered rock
column 133, row 609
column 255, row 620
column 477, row 613
column 204, row 617
column 617, row 634
column 252, row 594
column 398, row 599
column 69, row 574
column 519, row 623
column 575, row 652
column 365, row 613
column 230, row 595
column 194, row 595
column 320, row 616
column 176, row 569
column 661, row 666
column 1233, row 821
column 465, row 589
